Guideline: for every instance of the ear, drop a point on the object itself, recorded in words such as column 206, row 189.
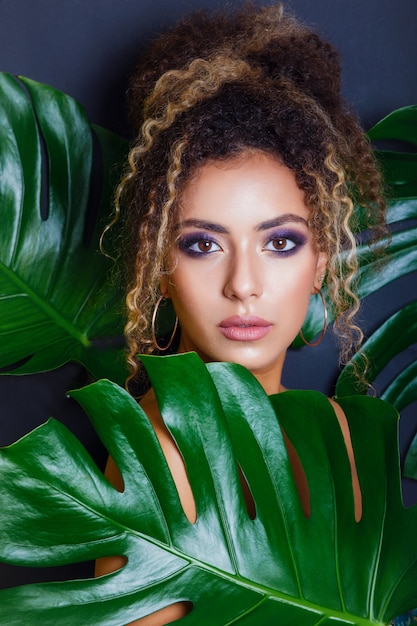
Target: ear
column 320, row 272
column 164, row 287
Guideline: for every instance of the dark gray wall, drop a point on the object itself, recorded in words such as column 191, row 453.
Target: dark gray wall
column 88, row 48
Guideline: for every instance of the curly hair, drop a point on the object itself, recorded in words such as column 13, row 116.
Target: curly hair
column 215, row 87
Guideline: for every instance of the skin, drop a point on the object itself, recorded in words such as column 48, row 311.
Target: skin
column 263, row 264
column 245, row 268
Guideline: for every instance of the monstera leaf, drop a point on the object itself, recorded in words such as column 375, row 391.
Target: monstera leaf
column 399, row 332
column 56, row 300
column 394, row 336
column 381, row 349
column 410, row 465
column 400, row 170
column 280, row 567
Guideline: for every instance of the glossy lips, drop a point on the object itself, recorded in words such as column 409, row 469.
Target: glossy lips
column 244, row 328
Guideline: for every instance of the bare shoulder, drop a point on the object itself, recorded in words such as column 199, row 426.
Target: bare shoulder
column 150, row 405
column 340, row 414
column 148, row 401
column 344, row 427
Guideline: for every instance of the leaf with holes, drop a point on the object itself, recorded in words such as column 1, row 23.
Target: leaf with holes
column 389, row 340
column 393, row 337
column 400, row 174
column 55, row 303
column 280, row 567
column 401, row 259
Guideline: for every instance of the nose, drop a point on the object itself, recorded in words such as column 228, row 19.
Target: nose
column 243, row 277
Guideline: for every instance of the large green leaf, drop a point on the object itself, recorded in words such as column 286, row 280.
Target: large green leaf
column 56, row 300
column 400, row 168
column 410, row 465
column 398, row 125
column 280, row 567
column 393, row 337
column 400, row 173
column 400, row 260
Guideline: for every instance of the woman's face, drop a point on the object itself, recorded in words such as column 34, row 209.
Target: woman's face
column 246, row 264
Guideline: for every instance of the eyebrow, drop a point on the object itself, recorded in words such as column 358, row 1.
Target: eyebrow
column 218, row 228
column 281, row 220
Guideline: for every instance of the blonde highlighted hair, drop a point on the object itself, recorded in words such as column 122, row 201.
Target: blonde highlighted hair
column 214, row 88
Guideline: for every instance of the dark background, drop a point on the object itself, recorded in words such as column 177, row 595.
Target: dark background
column 88, row 48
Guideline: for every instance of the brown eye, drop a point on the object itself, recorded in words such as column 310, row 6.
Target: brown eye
column 204, row 245
column 197, row 245
column 279, row 244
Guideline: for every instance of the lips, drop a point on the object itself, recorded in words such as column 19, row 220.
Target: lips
column 249, row 328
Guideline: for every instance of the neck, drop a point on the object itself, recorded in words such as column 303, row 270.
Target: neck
column 270, row 376
column 271, row 385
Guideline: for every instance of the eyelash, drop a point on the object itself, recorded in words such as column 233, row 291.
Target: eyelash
column 296, row 239
column 186, row 243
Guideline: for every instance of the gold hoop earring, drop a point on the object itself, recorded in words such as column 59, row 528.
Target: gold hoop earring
column 323, row 332
column 154, row 339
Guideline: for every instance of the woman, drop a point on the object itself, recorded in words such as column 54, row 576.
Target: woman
column 238, row 202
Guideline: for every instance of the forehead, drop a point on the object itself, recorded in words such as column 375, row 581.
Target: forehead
column 256, row 183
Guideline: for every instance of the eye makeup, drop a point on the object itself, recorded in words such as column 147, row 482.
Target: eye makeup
column 202, row 243
column 197, row 244
column 293, row 239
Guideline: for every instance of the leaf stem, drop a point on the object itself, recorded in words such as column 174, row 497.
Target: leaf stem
column 49, row 311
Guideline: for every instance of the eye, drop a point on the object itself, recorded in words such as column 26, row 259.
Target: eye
column 204, row 245
column 197, row 245
column 280, row 244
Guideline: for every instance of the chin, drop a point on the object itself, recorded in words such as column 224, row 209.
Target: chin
column 256, row 364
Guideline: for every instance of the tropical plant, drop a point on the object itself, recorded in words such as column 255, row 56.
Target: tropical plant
column 57, row 302
column 400, row 169
column 399, row 331
column 280, row 567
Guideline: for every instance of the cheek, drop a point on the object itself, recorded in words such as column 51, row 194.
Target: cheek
column 293, row 293
column 296, row 279
column 299, row 295
column 186, row 292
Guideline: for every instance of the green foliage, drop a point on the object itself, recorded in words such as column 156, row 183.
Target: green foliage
column 389, row 340
column 280, row 567
column 399, row 332
column 400, row 168
column 57, row 302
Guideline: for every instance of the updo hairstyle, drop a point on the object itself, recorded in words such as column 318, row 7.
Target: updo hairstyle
column 218, row 86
